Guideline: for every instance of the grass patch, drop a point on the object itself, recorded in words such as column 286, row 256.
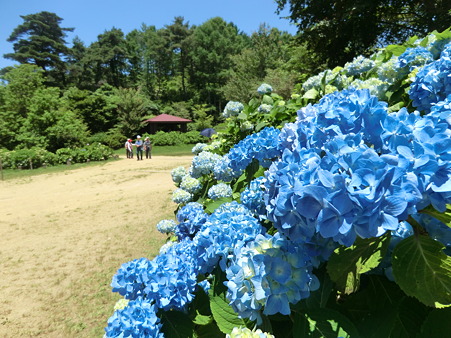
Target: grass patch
column 180, row 150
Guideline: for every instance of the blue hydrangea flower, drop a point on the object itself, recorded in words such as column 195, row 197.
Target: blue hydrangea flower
column 264, row 89
column 359, row 65
column 228, row 227
column 267, row 275
column 223, row 172
column 130, row 281
column 171, row 279
column 253, row 198
column 137, row 319
column 446, row 52
column 232, row 108
column 178, row 174
column 204, row 163
column 413, row 58
column 199, row 147
column 181, row 196
column 328, row 181
column 263, row 146
column 190, row 184
column 432, row 84
column 191, row 217
column 220, row 190
column 166, row 226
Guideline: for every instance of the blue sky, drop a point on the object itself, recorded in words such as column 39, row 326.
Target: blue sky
column 91, row 18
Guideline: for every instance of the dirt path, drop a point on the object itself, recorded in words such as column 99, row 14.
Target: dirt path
column 64, row 235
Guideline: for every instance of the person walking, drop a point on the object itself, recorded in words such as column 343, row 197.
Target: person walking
column 129, row 148
column 139, row 147
column 148, row 148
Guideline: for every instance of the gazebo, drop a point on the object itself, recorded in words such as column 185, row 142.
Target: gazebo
column 166, row 122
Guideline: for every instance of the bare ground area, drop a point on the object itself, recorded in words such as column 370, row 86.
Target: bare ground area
column 64, row 235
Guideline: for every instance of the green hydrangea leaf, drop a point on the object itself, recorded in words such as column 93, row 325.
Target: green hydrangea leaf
column 225, row 317
column 323, row 323
column 444, row 217
column 202, row 319
column 347, row 264
column 422, row 270
column 176, row 324
column 436, row 323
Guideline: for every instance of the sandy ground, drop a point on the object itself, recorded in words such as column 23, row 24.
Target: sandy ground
column 59, row 232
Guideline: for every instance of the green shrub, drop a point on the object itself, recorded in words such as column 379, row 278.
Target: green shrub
column 174, row 138
column 24, row 158
column 113, row 138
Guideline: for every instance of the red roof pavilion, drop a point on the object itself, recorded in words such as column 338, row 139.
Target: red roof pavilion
column 167, row 122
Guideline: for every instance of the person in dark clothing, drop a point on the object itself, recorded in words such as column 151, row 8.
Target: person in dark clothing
column 148, row 147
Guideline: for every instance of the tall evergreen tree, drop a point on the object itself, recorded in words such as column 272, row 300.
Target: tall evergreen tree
column 40, row 40
column 214, row 44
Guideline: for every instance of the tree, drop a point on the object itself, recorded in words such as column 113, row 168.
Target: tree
column 108, row 56
column 178, row 35
column 98, row 110
column 340, row 30
column 131, row 110
column 268, row 50
column 22, row 82
column 80, row 72
column 48, row 126
column 214, row 44
column 40, row 41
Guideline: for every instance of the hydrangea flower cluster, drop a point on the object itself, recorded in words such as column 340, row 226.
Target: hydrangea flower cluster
column 219, row 190
column 178, row 174
column 181, row 196
column 244, row 332
column 137, row 319
column 413, row 58
column 262, row 146
column 330, row 181
column 212, row 146
column 269, row 273
column 264, row 108
column 253, row 198
column 130, row 281
column 190, row 184
column 204, row 163
column 171, row 279
column 198, row 148
column 432, row 84
column 446, row 52
column 191, row 217
column 359, row 65
column 232, row 108
column 166, row 226
column 388, row 71
column 376, row 87
column 264, row 89
column 228, row 226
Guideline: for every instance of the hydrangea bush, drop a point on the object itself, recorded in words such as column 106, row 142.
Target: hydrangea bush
column 325, row 215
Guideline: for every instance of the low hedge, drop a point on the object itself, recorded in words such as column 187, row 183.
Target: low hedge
column 38, row 157
column 174, row 138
